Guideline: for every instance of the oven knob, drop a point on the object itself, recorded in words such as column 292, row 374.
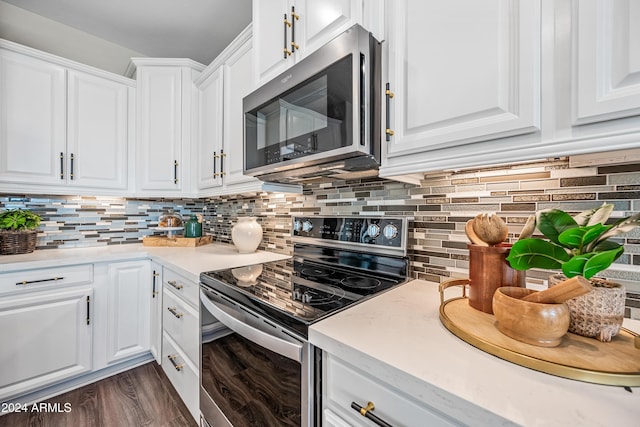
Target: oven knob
column 306, row 298
column 373, row 230
column 297, row 225
column 390, row 231
column 307, row 226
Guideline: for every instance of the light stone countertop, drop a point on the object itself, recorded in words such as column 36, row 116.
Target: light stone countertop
column 189, row 262
column 398, row 337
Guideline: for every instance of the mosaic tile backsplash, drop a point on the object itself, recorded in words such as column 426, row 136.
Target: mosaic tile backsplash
column 438, row 208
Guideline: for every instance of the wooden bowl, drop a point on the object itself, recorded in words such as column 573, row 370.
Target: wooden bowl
column 530, row 322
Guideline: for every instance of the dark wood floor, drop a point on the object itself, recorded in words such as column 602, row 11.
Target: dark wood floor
column 142, row 396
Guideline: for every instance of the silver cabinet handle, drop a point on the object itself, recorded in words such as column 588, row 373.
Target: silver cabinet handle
column 71, row 171
column 174, row 311
column 226, row 316
column 175, row 284
column 61, row 165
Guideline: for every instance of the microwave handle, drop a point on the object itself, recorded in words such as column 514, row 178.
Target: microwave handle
column 224, row 314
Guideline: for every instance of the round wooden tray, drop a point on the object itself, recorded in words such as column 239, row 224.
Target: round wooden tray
column 577, row 357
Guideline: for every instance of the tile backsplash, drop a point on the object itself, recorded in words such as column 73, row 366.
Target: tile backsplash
column 438, row 208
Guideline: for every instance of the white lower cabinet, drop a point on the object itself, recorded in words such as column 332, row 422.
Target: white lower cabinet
column 46, row 337
column 182, row 373
column 344, row 384
column 155, row 343
column 129, row 311
column 181, row 337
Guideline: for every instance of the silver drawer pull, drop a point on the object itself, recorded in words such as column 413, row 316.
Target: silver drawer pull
column 29, row 282
column 172, row 358
column 173, row 311
column 175, row 284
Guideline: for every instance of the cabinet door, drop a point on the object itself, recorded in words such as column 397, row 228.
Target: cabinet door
column 237, row 84
column 159, row 128
column 155, row 342
column 606, row 68
column 462, row 71
column 322, row 21
column 97, row 132
column 32, row 120
column 46, row 337
column 269, row 35
column 128, row 323
column 210, row 135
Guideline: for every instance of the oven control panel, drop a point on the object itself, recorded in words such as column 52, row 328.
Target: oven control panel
column 379, row 231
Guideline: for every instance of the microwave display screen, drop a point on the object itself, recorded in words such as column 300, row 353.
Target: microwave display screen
column 313, row 117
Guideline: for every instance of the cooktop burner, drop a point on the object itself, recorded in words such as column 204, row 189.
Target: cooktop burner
column 361, row 282
column 318, row 280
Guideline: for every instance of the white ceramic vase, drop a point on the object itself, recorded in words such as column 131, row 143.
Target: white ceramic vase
column 246, row 234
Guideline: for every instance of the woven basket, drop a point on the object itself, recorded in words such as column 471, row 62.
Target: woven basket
column 17, row 242
column 599, row 313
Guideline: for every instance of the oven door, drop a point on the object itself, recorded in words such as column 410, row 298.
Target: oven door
column 259, row 374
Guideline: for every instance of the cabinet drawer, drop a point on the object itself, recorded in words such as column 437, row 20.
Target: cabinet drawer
column 181, row 286
column 45, row 278
column 345, row 384
column 180, row 321
column 182, row 374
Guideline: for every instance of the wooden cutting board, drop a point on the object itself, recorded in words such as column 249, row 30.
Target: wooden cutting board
column 577, row 357
column 176, row 241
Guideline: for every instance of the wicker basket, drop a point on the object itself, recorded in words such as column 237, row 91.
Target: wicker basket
column 599, row 313
column 17, row 242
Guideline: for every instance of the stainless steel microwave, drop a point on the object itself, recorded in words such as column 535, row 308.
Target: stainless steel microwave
column 321, row 117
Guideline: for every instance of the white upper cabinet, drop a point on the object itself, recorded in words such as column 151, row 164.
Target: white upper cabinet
column 32, row 119
column 166, row 125
column 462, row 71
column 211, row 111
column 606, row 67
column 285, row 31
column 508, row 81
column 237, row 85
column 62, row 124
column 220, row 149
column 221, row 138
column 97, row 132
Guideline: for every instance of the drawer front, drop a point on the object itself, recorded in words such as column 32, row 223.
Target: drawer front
column 345, row 384
column 180, row 321
column 45, row 278
column 181, row 286
column 182, row 374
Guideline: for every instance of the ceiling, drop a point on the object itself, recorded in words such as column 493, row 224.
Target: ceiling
column 195, row 29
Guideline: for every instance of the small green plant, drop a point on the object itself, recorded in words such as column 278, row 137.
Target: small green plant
column 18, row 220
column 579, row 246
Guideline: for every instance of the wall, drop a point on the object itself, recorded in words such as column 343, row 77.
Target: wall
column 29, row 29
column 439, row 208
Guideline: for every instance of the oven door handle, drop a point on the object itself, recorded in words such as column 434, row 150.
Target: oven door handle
column 284, row 348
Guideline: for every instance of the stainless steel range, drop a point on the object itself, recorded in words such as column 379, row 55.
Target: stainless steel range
column 262, row 370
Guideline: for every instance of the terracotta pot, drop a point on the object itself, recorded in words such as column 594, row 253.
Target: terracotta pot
column 599, row 313
column 488, row 271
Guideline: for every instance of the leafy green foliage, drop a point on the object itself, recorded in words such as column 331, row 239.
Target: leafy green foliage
column 536, row 253
column 18, row 219
column 553, row 222
column 577, row 246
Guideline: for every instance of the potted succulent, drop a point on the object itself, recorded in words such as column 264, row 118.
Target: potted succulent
column 580, row 246
column 18, row 231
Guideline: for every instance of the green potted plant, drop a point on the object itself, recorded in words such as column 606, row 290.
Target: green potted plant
column 580, row 246
column 18, row 231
